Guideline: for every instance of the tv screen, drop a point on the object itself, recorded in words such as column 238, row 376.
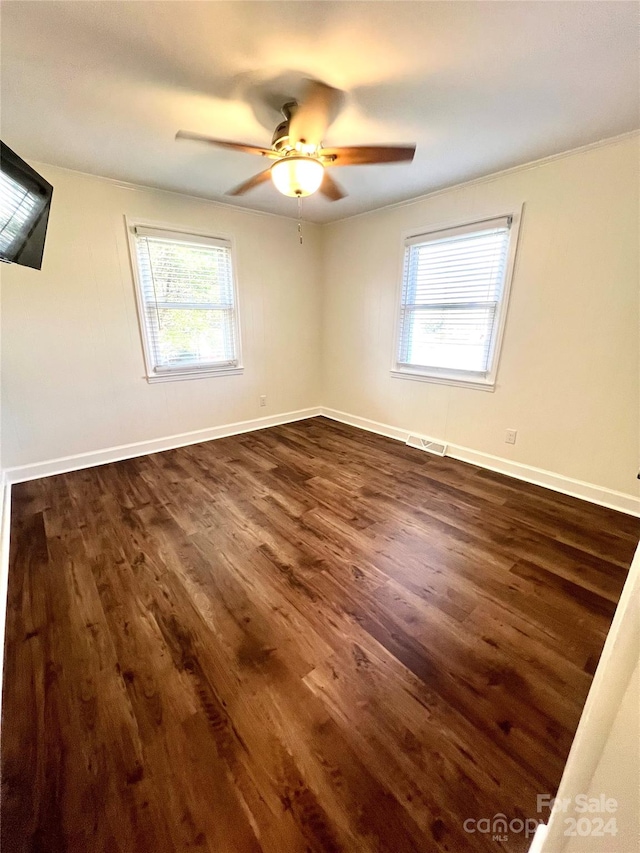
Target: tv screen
column 25, row 198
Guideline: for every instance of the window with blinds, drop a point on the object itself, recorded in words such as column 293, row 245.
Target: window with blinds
column 452, row 307
column 187, row 304
column 21, row 206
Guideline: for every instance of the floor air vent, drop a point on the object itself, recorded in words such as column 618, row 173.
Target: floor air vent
column 430, row 445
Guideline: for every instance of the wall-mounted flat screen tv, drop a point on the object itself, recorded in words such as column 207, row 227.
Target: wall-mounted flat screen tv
column 25, row 199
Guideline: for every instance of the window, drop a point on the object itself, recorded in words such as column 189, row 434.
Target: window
column 187, row 304
column 20, row 207
column 454, row 295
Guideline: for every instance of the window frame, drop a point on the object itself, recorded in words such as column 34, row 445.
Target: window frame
column 448, row 376
column 154, row 374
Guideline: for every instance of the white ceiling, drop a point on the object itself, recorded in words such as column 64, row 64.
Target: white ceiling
column 479, row 86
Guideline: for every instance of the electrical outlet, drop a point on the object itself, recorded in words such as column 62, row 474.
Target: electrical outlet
column 510, row 436
column 263, row 399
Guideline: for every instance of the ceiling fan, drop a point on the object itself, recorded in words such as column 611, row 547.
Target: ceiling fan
column 299, row 158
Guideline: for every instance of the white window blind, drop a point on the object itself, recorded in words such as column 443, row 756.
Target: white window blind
column 453, row 286
column 20, row 207
column 187, row 301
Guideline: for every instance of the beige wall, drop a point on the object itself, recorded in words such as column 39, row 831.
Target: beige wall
column 318, row 323
column 568, row 380
column 71, row 353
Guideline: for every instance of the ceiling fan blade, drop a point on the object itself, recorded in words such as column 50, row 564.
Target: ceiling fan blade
column 361, row 155
column 226, row 143
column 314, row 115
column 331, row 189
column 255, row 181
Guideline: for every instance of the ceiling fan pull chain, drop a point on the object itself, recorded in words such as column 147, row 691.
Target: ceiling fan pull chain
column 299, row 218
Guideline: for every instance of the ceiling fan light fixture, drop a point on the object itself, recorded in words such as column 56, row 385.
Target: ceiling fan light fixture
column 297, row 153
column 297, row 176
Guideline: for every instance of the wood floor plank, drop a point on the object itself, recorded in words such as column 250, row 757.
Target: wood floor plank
column 308, row 638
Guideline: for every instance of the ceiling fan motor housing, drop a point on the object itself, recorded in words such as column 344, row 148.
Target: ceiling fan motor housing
column 280, row 140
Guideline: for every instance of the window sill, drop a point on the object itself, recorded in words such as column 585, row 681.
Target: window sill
column 202, row 373
column 478, row 384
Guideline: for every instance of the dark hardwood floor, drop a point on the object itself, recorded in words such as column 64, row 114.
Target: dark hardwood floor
column 309, row 638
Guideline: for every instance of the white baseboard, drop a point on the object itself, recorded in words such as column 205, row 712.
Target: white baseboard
column 538, row 476
column 64, row 464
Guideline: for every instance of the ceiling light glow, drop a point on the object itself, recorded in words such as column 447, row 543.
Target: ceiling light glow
column 297, row 176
